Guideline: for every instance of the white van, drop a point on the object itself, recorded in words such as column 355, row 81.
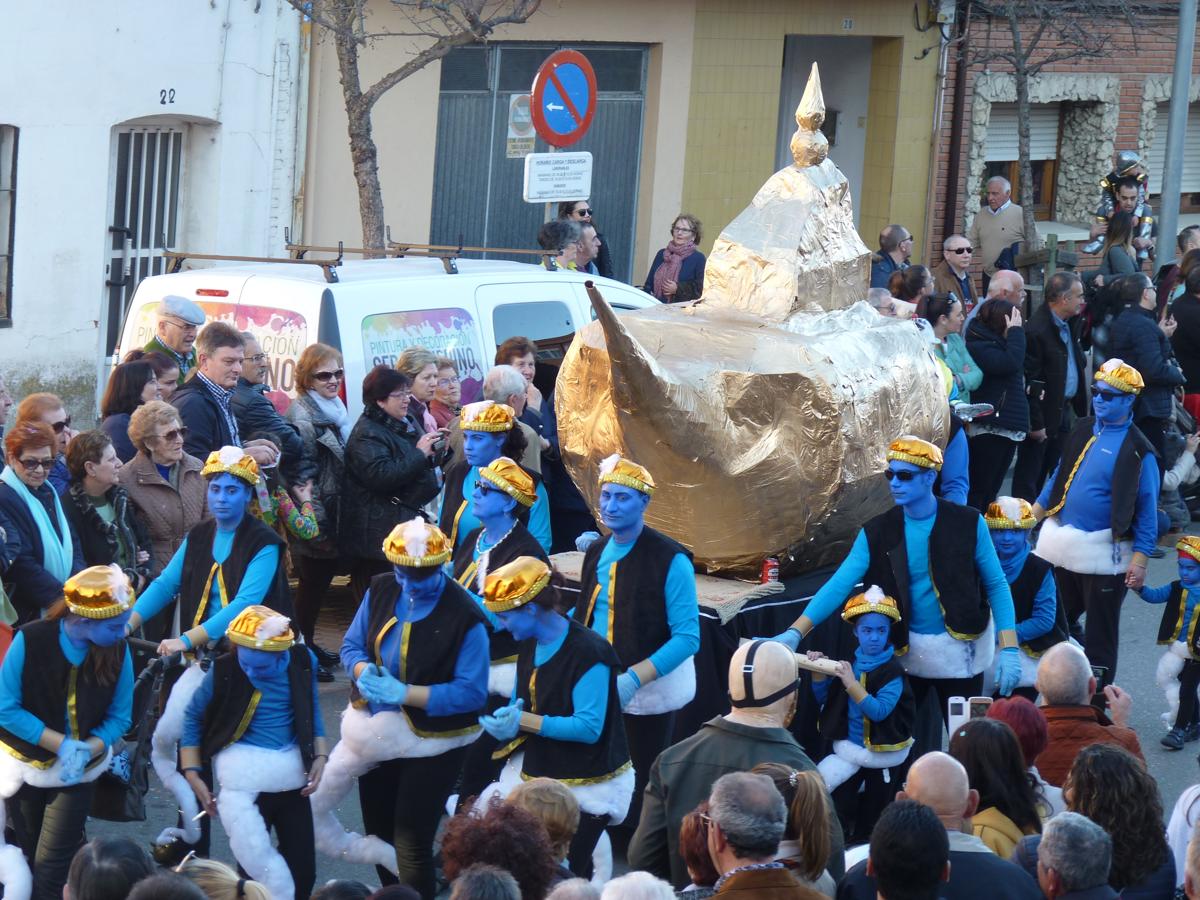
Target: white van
column 377, row 308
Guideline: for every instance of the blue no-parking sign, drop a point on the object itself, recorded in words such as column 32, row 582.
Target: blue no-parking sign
column 564, row 98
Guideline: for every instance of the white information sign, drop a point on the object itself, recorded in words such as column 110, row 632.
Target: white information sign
column 555, row 177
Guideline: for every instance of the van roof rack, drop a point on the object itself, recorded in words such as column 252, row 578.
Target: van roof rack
column 447, row 253
column 328, row 267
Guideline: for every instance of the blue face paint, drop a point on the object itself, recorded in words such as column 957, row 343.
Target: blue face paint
column 522, row 622
column 99, row 632
column 1189, row 572
column 1112, row 407
column 918, row 489
column 482, row 448
column 873, row 631
column 419, row 583
column 1009, row 541
column 491, row 503
column 228, row 498
column 622, row 509
column 261, row 663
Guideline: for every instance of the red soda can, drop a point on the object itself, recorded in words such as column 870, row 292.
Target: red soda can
column 770, row 570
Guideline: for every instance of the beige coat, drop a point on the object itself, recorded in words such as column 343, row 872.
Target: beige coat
column 167, row 511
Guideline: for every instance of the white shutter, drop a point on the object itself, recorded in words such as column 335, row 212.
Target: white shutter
column 1157, row 157
column 1002, row 132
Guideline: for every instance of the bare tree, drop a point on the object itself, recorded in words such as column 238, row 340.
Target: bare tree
column 1042, row 33
column 437, row 27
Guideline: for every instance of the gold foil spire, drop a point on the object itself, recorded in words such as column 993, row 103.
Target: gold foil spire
column 809, row 145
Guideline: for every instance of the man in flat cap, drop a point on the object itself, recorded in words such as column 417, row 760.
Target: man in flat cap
column 177, row 321
column 762, row 690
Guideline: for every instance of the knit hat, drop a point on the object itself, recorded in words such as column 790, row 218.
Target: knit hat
column 261, row 628
column 872, row 600
column 1121, row 375
column 510, row 478
column 514, row 584
column 99, row 592
column 1008, row 513
column 417, row 543
column 231, row 461
column 616, row 470
column 487, row 415
column 910, row 449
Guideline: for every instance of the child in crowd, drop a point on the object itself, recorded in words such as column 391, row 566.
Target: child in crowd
column 1179, row 668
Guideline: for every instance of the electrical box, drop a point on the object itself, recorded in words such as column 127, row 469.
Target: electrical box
column 943, row 11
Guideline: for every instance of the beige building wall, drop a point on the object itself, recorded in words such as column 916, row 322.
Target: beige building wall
column 405, row 119
column 737, row 69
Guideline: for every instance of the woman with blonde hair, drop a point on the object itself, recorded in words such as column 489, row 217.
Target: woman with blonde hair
column 421, row 367
column 219, row 882
column 806, row 843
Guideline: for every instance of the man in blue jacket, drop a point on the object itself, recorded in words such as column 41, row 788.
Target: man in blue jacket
column 256, row 414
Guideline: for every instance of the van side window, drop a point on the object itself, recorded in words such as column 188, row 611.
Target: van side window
column 535, row 320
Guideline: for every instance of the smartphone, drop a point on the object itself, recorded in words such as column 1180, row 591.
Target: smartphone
column 978, row 707
column 1100, row 701
column 956, row 713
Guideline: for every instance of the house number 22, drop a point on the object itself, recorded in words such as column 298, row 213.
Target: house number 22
column 166, row 95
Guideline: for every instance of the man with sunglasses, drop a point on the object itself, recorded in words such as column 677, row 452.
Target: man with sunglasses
column 953, row 274
column 256, row 415
column 936, row 558
column 1101, row 516
column 177, row 320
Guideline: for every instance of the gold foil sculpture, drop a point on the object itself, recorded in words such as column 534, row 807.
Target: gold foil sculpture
column 763, row 410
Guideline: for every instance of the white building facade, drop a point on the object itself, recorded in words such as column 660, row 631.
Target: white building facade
column 125, row 131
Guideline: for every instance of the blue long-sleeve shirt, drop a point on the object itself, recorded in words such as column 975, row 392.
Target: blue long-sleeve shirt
column 1045, row 601
column 926, row 616
column 539, row 513
column 683, row 611
column 260, row 574
column 28, row 727
column 1162, row 594
column 876, row 707
column 956, row 479
column 1088, row 505
column 589, row 698
column 466, row 692
column 273, row 725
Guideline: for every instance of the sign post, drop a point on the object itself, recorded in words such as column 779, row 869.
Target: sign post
column 562, row 105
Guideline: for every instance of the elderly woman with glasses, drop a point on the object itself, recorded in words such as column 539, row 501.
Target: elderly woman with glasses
column 49, row 553
column 320, row 416
column 447, row 398
column 677, row 273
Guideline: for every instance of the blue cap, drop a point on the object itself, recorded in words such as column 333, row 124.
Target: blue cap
column 181, row 308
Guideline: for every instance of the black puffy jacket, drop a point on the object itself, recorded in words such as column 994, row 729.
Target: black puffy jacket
column 1001, row 358
column 1136, row 338
column 387, row 481
column 257, row 417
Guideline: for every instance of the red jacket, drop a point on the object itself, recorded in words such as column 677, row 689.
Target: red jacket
column 1071, row 728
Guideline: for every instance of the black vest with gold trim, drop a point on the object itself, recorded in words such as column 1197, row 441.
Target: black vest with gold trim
column 518, row 542
column 637, row 605
column 1024, row 591
column 235, row 700
column 547, row 691
column 454, row 502
column 52, row 690
column 1171, row 626
column 200, row 570
column 893, row 733
column 428, row 648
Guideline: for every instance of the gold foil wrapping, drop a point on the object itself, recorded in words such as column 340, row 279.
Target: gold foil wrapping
column 764, row 410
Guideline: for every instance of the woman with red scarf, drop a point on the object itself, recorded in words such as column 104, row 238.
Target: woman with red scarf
column 677, row 273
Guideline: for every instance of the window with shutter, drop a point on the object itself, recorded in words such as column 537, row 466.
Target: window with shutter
column 1156, row 157
column 1001, row 153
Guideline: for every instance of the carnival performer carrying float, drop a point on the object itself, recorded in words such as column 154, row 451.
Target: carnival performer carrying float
column 256, row 721
column 418, row 653
column 225, row 564
column 66, row 694
column 489, row 432
column 564, row 721
column 502, row 490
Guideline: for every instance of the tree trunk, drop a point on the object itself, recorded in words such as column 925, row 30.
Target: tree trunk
column 1024, row 166
column 363, row 153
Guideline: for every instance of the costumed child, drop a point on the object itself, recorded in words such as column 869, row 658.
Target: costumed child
column 564, row 721
column 867, row 712
column 225, row 564
column 418, row 653
column 1179, row 667
column 256, row 720
column 66, row 694
column 501, row 490
column 489, row 431
column 1041, row 622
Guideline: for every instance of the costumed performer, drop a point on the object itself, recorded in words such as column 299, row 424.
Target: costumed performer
column 1128, row 172
column 1040, row 620
column 1101, row 514
column 867, row 712
column 954, row 477
column 564, row 721
column 651, row 617
column 66, row 694
column 418, row 653
column 1179, row 667
column 501, row 489
column 950, row 609
column 256, row 721
column 225, row 564
column 489, row 431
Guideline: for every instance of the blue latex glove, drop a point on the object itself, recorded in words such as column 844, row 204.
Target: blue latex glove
column 1008, row 670
column 74, row 756
column 627, row 685
column 586, row 540
column 790, row 638
column 505, row 722
column 381, row 687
